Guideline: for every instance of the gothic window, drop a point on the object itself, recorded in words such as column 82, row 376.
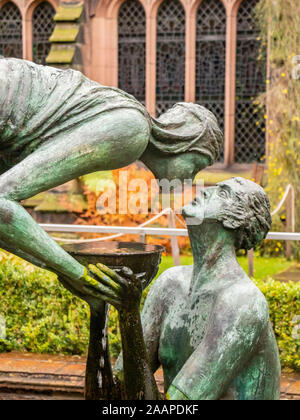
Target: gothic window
column 10, row 31
column 170, row 71
column 43, row 25
column 250, row 140
column 211, row 57
column 132, row 49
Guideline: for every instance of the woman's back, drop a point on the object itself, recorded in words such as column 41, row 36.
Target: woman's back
column 37, row 103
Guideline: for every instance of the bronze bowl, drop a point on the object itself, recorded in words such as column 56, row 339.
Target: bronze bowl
column 139, row 257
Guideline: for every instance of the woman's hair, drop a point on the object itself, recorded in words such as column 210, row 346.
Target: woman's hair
column 187, row 127
column 247, row 212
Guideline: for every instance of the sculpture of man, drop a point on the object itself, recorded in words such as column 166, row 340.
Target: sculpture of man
column 58, row 125
column 208, row 324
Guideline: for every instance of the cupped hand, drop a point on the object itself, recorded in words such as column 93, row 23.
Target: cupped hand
column 121, row 288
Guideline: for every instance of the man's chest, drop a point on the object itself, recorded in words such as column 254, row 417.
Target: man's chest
column 183, row 330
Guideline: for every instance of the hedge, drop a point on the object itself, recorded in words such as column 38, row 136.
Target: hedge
column 42, row 317
column 284, row 305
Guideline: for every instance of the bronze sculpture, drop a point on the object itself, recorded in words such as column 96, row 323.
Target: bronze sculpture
column 207, row 325
column 56, row 125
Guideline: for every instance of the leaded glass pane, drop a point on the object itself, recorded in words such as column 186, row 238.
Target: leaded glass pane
column 170, row 71
column 132, row 49
column 250, row 142
column 10, row 31
column 211, row 57
column 43, row 25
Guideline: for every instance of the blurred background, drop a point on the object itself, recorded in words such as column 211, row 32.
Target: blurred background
column 239, row 58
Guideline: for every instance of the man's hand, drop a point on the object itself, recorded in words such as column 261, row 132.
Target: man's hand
column 121, row 288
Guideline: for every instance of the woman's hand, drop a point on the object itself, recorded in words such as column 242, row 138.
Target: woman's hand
column 88, row 293
column 121, row 288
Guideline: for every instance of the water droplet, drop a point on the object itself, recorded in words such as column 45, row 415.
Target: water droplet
column 100, row 379
column 2, row 328
column 104, row 343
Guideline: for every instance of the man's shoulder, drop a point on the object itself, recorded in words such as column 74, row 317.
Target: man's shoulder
column 172, row 281
column 244, row 297
column 177, row 274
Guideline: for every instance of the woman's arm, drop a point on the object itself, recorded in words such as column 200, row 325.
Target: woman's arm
column 138, row 378
column 126, row 290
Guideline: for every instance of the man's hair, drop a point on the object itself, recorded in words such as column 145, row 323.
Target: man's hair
column 248, row 213
column 200, row 132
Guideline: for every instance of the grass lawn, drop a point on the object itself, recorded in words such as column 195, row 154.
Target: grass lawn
column 263, row 266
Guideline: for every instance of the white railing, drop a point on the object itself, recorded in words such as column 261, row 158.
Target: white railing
column 143, row 230
column 289, row 200
column 138, row 230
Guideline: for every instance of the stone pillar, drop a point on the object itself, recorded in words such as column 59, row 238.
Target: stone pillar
column 190, row 57
column 27, row 33
column 230, row 86
column 112, row 52
column 151, row 60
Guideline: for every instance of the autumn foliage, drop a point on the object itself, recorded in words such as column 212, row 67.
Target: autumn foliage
column 92, row 216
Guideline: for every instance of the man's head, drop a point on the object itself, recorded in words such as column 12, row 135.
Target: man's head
column 240, row 205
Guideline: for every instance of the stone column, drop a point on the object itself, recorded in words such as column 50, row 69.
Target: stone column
column 230, row 86
column 27, row 33
column 151, row 14
column 150, row 61
column 190, row 57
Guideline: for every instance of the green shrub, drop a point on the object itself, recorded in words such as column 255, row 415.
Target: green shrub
column 284, row 304
column 42, row 317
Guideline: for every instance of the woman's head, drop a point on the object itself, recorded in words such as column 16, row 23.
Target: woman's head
column 184, row 140
column 188, row 127
column 241, row 206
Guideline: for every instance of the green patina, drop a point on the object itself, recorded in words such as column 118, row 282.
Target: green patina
column 58, row 125
column 208, row 324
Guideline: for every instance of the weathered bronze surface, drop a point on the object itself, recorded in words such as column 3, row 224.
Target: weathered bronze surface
column 207, row 325
column 57, row 125
column 140, row 258
column 144, row 261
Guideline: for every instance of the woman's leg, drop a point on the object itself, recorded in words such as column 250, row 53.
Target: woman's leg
column 116, row 139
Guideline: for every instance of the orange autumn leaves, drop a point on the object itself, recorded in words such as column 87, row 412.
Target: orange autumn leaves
column 133, row 172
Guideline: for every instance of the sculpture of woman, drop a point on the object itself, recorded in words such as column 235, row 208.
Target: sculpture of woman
column 208, row 324
column 57, row 125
